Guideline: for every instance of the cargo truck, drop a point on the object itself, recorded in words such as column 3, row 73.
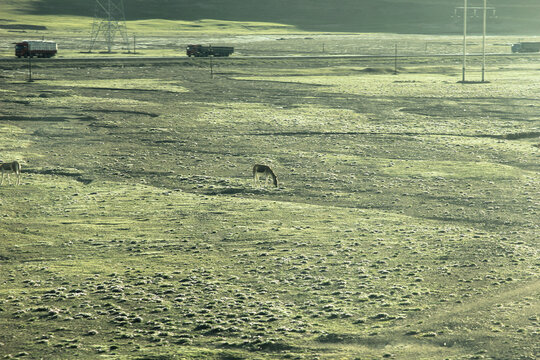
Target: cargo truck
column 37, row 48
column 205, row 51
column 526, row 47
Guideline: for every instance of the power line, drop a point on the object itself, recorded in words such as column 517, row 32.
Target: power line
column 109, row 19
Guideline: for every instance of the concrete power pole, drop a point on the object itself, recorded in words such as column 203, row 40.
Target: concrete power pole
column 109, row 19
column 484, row 42
column 465, row 13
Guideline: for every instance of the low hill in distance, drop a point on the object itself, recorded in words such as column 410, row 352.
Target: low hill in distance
column 398, row 16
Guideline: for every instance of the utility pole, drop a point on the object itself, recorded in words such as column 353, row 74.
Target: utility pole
column 464, row 38
column 395, row 59
column 29, row 64
column 484, row 42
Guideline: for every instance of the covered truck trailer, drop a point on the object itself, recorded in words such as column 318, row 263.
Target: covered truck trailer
column 525, row 47
column 205, row 51
column 37, row 48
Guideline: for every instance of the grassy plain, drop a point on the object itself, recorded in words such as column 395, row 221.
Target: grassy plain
column 162, row 37
column 405, row 225
column 399, row 16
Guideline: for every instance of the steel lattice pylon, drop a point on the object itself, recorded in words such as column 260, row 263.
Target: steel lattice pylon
column 109, row 19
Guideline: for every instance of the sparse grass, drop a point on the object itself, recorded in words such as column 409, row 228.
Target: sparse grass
column 122, row 84
column 405, row 225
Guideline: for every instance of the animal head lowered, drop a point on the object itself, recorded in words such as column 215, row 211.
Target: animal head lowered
column 10, row 167
column 260, row 170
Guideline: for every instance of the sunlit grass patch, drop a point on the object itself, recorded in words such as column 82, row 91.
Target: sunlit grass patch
column 90, row 100
column 122, row 84
column 11, row 144
column 209, row 26
column 270, row 119
column 9, row 131
column 453, row 170
column 374, row 82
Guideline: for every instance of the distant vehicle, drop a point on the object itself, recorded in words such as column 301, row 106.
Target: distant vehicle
column 526, row 47
column 37, row 48
column 205, row 51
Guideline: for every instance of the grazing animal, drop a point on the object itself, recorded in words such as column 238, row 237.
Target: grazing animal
column 260, row 170
column 9, row 168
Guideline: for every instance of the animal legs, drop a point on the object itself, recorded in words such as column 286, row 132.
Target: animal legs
column 255, row 178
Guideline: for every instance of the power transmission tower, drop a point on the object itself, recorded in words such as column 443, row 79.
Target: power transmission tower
column 109, row 19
